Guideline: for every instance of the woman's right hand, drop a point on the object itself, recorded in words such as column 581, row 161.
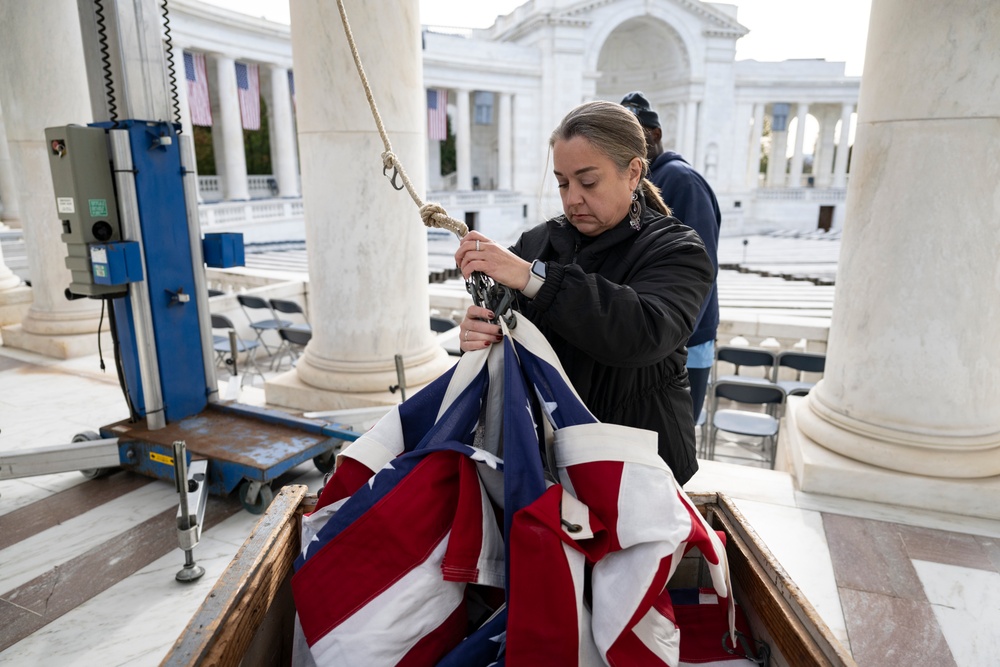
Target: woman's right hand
column 477, row 332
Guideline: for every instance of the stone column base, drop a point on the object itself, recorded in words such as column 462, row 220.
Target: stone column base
column 288, row 391
column 819, row 470
column 14, row 304
column 59, row 346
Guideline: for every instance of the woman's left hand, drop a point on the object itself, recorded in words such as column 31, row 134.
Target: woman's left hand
column 478, row 253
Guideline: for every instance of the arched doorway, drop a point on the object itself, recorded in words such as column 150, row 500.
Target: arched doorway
column 647, row 54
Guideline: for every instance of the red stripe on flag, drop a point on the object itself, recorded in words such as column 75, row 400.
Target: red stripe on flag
column 199, row 104
column 346, row 480
column 436, row 644
column 597, row 485
column 698, row 537
column 437, row 115
column 542, row 618
column 406, row 525
column 248, row 89
column 461, row 559
column 628, row 649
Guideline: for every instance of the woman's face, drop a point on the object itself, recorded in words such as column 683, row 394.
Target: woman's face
column 595, row 195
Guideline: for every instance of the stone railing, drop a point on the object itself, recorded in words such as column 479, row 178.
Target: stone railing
column 474, row 198
column 802, row 194
column 269, row 210
column 259, row 186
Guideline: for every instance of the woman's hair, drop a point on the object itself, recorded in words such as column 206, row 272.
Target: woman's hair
column 614, row 131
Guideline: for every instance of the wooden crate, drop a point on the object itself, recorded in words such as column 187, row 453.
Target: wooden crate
column 248, row 616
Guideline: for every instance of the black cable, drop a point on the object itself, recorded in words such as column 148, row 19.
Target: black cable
column 102, row 37
column 100, row 323
column 170, row 65
column 133, row 417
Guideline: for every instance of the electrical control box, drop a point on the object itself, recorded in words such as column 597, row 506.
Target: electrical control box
column 85, row 200
column 116, row 263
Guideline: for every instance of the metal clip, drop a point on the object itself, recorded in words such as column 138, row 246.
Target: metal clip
column 392, row 179
column 493, row 296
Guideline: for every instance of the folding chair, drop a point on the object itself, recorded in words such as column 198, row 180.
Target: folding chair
column 288, row 307
column 801, row 362
column 248, row 303
column 229, row 357
column 763, row 425
column 744, row 357
column 293, row 341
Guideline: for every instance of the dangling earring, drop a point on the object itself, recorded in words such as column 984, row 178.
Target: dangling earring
column 635, row 212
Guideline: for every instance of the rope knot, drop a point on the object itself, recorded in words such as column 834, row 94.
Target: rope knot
column 435, row 215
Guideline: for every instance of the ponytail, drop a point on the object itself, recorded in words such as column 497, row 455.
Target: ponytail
column 653, row 198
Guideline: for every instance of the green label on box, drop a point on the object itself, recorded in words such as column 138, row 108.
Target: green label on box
column 100, row 270
column 98, row 208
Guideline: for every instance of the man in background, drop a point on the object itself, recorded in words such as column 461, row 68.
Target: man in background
column 693, row 202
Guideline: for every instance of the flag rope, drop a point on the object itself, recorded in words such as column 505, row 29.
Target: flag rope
column 432, row 214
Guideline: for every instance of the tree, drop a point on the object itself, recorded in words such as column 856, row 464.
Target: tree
column 448, row 164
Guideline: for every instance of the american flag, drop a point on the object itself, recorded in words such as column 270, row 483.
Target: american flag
column 248, row 86
column 437, row 115
column 197, row 78
column 420, row 487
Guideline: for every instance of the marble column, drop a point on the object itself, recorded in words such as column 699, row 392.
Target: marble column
column 681, row 129
column 366, row 244
column 227, row 130
column 843, row 147
column 690, row 131
column 777, row 159
column 795, row 170
column 11, row 215
column 43, row 83
column 906, row 412
column 15, row 296
column 283, row 155
column 753, row 167
column 505, row 142
column 463, row 140
column 823, row 162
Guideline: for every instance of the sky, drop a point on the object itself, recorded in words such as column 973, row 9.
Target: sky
column 779, row 29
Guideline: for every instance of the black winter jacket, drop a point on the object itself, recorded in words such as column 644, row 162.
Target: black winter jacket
column 618, row 309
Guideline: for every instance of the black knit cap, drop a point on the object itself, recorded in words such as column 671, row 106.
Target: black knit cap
column 637, row 103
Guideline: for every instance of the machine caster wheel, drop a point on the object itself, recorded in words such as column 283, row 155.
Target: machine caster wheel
column 264, row 497
column 92, row 473
column 325, row 462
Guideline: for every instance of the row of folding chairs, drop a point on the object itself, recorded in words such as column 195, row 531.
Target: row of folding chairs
column 293, row 337
column 755, row 401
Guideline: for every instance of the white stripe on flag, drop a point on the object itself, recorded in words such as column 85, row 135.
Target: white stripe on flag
column 248, row 87
column 197, row 78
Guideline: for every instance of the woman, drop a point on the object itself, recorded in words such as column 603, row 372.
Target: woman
column 614, row 284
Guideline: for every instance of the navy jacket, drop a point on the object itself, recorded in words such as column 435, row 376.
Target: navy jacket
column 692, row 201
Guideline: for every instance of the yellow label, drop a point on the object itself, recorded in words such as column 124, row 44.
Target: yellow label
column 160, row 458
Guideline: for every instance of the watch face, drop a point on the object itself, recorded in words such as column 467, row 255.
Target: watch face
column 538, row 268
